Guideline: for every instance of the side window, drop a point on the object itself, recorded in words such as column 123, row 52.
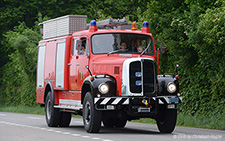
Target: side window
column 82, row 46
column 74, row 49
column 40, row 69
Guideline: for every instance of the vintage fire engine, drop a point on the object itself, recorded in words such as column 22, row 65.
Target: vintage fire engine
column 106, row 71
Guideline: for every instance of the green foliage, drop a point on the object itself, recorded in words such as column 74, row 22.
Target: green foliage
column 19, row 74
column 194, row 36
column 206, row 83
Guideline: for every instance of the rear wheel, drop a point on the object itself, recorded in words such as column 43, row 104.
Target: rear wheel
column 65, row 119
column 166, row 120
column 91, row 116
column 52, row 114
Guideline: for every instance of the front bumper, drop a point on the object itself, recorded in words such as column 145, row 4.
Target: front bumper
column 141, row 104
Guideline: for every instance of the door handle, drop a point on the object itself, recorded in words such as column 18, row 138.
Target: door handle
column 69, row 64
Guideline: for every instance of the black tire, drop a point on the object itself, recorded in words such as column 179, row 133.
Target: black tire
column 65, row 119
column 91, row 116
column 166, row 120
column 114, row 122
column 108, row 122
column 121, row 123
column 52, row 114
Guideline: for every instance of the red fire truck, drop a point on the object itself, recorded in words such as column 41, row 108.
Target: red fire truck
column 106, row 71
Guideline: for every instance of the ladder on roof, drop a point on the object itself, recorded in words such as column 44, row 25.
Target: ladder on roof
column 112, row 24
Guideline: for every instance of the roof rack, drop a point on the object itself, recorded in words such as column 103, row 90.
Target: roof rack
column 112, row 24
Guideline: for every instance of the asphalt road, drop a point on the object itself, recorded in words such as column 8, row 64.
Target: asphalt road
column 26, row 127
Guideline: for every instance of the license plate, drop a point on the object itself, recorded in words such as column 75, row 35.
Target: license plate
column 171, row 100
column 143, row 110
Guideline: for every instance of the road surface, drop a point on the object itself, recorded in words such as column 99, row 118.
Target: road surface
column 27, row 127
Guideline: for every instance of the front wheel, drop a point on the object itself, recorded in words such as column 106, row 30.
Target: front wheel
column 166, row 120
column 65, row 119
column 91, row 116
column 114, row 122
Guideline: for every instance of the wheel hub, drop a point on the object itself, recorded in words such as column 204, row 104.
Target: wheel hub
column 87, row 113
column 48, row 109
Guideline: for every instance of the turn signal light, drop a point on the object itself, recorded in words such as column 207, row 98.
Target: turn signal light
column 92, row 78
column 177, row 76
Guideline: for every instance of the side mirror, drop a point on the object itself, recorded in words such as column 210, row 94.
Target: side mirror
column 162, row 49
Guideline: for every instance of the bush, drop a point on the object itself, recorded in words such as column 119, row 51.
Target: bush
column 19, row 74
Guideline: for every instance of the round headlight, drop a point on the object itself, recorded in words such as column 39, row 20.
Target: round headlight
column 171, row 87
column 103, row 88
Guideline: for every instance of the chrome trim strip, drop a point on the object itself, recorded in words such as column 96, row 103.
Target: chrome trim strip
column 74, row 91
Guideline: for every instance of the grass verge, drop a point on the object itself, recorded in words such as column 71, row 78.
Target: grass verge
column 26, row 110
column 202, row 121
column 197, row 121
column 23, row 109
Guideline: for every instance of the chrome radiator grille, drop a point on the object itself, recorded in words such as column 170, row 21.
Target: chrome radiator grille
column 142, row 77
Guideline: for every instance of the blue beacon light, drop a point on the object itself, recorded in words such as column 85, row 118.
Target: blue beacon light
column 145, row 24
column 145, row 27
column 93, row 23
column 93, row 26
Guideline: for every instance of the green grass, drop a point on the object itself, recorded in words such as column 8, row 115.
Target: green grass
column 202, row 121
column 198, row 121
column 26, row 110
column 23, row 109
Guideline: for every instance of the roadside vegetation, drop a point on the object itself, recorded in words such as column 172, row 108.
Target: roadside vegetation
column 193, row 31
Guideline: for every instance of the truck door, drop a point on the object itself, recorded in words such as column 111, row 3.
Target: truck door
column 73, row 65
column 80, row 58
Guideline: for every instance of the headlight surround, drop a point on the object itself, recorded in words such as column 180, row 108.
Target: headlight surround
column 171, row 87
column 103, row 88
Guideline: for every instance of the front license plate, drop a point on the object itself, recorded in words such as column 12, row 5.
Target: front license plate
column 143, row 110
column 175, row 100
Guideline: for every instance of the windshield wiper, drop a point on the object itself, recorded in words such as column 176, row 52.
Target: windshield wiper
column 145, row 49
column 114, row 51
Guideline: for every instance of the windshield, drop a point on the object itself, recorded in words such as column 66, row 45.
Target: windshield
column 121, row 43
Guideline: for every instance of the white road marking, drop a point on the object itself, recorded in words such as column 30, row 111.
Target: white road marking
column 52, row 130
column 34, row 118
column 95, row 138
column 106, row 140
column 76, row 135
column 3, row 115
column 86, row 136
column 58, row 131
column 66, row 133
